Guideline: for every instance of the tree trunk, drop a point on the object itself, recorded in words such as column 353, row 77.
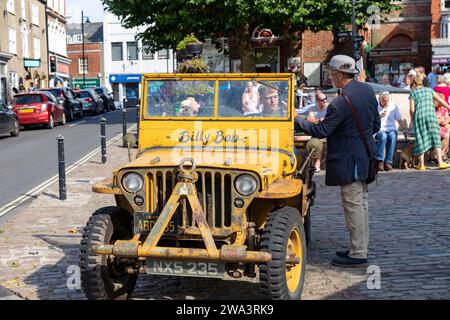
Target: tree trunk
column 241, row 42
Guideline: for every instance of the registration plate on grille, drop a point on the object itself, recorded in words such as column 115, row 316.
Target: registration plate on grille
column 186, row 269
column 144, row 222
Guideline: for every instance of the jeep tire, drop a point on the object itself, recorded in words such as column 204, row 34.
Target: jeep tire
column 283, row 237
column 102, row 276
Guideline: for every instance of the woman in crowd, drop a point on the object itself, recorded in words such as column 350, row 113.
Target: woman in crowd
column 443, row 116
column 442, row 87
column 426, row 126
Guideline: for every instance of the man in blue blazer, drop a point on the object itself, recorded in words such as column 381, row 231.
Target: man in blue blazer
column 347, row 163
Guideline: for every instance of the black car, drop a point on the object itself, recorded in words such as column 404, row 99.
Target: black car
column 92, row 102
column 66, row 97
column 9, row 123
column 107, row 98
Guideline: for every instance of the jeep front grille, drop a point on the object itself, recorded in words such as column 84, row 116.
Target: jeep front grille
column 214, row 191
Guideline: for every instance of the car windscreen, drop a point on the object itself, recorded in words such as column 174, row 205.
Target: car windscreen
column 172, row 98
column 28, row 99
column 84, row 94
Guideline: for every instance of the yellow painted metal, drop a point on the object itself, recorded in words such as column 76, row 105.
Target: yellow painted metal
column 294, row 250
column 107, row 187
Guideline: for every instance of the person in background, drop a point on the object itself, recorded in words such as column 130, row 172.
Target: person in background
column 432, row 76
column 316, row 114
column 250, row 99
column 385, row 80
column 401, row 79
column 31, row 88
column 442, row 87
column 426, row 126
column 422, row 74
column 407, row 83
column 387, row 136
column 443, row 116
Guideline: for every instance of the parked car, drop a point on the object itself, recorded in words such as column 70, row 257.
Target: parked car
column 91, row 101
column 9, row 122
column 38, row 107
column 107, row 98
column 66, row 97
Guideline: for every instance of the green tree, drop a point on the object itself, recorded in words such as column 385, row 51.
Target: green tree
column 169, row 21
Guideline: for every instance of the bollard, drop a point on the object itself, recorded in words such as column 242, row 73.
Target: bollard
column 62, row 168
column 138, row 115
column 124, row 102
column 124, row 122
column 103, row 138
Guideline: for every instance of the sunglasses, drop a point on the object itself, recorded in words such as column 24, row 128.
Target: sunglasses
column 322, row 100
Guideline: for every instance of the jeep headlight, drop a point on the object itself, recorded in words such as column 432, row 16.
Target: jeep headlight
column 132, row 182
column 246, row 184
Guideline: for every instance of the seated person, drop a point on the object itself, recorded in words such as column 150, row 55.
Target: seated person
column 270, row 102
column 189, row 108
column 316, row 114
column 250, row 99
column 387, row 136
column 443, row 116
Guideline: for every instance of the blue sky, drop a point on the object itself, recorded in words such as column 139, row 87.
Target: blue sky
column 92, row 8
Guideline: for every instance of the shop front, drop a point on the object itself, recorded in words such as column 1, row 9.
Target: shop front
column 4, row 58
column 126, row 88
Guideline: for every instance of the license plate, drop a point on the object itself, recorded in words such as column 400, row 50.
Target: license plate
column 144, row 222
column 186, row 269
column 26, row 110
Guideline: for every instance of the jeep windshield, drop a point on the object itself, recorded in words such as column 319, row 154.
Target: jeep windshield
column 217, row 99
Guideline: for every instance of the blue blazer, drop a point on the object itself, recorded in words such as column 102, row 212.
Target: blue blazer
column 347, row 159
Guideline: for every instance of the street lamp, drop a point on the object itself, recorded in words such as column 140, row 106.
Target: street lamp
column 84, row 64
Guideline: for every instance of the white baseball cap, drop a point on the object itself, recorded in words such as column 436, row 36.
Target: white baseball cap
column 412, row 73
column 343, row 63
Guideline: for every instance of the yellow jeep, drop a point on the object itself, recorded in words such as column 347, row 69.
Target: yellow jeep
column 218, row 189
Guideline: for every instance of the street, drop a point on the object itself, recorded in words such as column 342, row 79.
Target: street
column 32, row 158
column 409, row 243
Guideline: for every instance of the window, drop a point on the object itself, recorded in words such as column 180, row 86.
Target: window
column 12, row 41
column 37, row 48
column 445, row 26
column 446, row 4
column 34, row 14
column 117, row 51
column 146, row 52
column 25, row 50
column 24, row 10
column 163, row 54
column 132, row 50
column 82, row 66
column 10, row 6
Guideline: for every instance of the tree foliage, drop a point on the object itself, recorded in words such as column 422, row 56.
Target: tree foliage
column 169, row 21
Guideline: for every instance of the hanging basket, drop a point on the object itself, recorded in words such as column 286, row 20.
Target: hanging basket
column 194, row 48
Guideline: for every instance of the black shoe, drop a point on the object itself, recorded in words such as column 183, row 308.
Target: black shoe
column 342, row 254
column 349, row 262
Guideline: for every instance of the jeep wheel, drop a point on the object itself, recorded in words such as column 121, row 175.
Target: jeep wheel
column 104, row 277
column 16, row 129
column 284, row 237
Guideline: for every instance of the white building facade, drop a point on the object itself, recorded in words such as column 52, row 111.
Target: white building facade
column 126, row 59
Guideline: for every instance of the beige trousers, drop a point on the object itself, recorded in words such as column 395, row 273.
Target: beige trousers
column 356, row 211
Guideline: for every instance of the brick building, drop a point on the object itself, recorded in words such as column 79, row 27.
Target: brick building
column 402, row 41
column 90, row 73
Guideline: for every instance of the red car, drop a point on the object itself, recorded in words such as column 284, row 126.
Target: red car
column 34, row 108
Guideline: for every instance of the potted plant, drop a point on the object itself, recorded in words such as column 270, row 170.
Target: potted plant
column 190, row 45
column 196, row 65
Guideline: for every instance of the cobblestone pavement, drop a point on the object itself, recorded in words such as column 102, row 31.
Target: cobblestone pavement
column 409, row 243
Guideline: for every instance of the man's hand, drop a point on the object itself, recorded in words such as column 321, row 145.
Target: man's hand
column 312, row 119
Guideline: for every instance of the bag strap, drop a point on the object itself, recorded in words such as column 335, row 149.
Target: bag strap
column 358, row 124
